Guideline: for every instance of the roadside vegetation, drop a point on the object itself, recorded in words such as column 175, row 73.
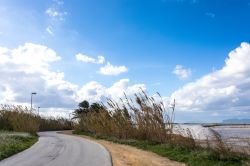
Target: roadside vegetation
column 14, row 142
column 145, row 122
column 19, row 127
column 21, row 119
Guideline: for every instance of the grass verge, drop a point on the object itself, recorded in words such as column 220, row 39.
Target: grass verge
column 14, row 142
column 192, row 157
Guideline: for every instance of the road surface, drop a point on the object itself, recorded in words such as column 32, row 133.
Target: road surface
column 55, row 149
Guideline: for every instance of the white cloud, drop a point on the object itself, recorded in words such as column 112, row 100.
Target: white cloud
column 112, row 70
column 108, row 69
column 227, row 89
column 56, row 112
column 181, row 72
column 29, row 58
column 101, row 59
column 55, row 14
column 116, row 91
column 87, row 59
column 6, row 94
column 94, row 91
column 27, row 68
column 49, row 30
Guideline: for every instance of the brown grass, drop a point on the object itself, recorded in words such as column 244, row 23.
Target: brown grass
column 21, row 119
column 145, row 118
column 139, row 118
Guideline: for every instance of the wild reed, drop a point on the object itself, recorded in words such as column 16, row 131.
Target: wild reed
column 139, row 118
column 21, row 119
column 144, row 118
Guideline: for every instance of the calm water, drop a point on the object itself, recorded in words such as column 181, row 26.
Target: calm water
column 233, row 131
column 235, row 135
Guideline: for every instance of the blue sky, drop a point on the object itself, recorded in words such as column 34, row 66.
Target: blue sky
column 160, row 44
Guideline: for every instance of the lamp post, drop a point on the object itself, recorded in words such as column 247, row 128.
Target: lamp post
column 33, row 93
column 38, row 109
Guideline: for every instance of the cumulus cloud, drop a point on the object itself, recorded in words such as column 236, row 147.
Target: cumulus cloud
column 88, row 59
column 27, row 68
column 117, row 90
column 109, row 69
column 224, row 90
column 181, row 72
column 94, row 91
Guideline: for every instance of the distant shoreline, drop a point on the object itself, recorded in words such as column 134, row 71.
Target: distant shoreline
column 234, row 125
column 217, row 124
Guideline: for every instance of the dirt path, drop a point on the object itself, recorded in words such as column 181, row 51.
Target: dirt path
column 124, row 155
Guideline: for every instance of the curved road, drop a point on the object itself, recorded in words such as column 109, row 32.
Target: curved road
column 55, row 149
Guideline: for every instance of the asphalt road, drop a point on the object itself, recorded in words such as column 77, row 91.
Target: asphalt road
column 55, row 149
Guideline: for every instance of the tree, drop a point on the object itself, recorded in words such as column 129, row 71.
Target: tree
column 84, row 105
column 96, row 107
column 83, row 109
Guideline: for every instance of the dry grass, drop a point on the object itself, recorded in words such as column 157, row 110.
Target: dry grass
column 18, row 119
column 145, row 118
column 139, row 118
column 21, row 119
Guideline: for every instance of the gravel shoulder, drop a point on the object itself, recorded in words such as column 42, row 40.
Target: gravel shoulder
column 124, row 155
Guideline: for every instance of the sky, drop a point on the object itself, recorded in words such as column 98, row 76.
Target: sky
column 194, row 51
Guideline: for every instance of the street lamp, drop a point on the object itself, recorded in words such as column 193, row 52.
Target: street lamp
column 38, row 109
column 33, row 93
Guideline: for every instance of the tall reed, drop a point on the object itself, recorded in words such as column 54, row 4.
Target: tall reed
column 142, row 117
column 21, row 119
column 18, row 118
